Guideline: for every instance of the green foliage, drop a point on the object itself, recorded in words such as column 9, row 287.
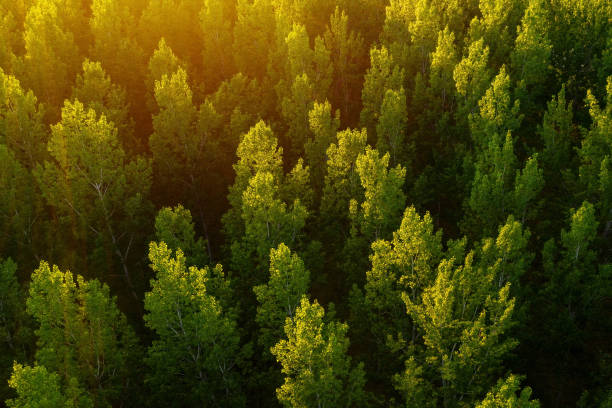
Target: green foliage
column 342, row 183
column 279, row 298
column 217, row 18
column 497, row 26
column 18, row 208
column 595, row 152
column 258, row 151
column 51, row 59
column 497, row 113
column 556, row 133
column 16, row 336
column 95, row 90
column 268, row 221
column 464, row 320
column 253, row 34
column 99, row 196
column 284, row 139
column 504, row 395
column 384, row 199
column 82, row 336
column 193, row 357
column 405, row 264
column 175, row 228
column 324, row 125
column 391, row 127
column 21, row 122
column 318, row 372
column 162, row 62
column 347, row 54
column 472, row 78
column 113, row 26
column 531, row 54
column 183, row 145
column 36, row 387
column 382, row 75
column 178, row 21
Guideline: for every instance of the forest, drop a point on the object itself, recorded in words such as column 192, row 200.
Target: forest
column 306, row 203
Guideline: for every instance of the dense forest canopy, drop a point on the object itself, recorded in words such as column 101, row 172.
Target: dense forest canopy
column 306, row 203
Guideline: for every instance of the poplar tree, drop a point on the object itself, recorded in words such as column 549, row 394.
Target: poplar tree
column 38, row 387
column 197, row 346
column 95, row 90
column 82, row 336
column 16, row 337
column 19, row 210
column 174, row 227
column 98, row 194
column 281, row 295
column 348, row 54
column 595, row 154
column 382, row 75
column 318, row 372
column 324, row 125
column 21, row 122
column 217, row 20
column 51, row 59
column 254, row 32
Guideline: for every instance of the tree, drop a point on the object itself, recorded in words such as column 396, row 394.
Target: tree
column 15, row 331
column 472, row 78
column 19, row 210
column 9, row 38
column 295, row 111
column 497, row 114
column 51, row 59
column 492, row 197
column 217, row 20
column 280, row 297
column 197, row 346
column 391, row 127
column 348, row 56
column 162, row 62
column 184, row 146
column 241, row 102
column 318, row 372
column 382, row 75
column 407, row 263
column 82, row 335
column 95, row 90
column 507, row 256
column 463, row 319
column 307, row 79
column 384, row 199
column 556, row 134
column 527, row 185
column 268, row 221
column 114, row 28
column 504, row 395
column 174, row 227
column 178, row 22
column 577, row 265
column 497, row 27
column 531, row 54
column 323, row 126
column 21, row 122
column 98, row 195
column 342, row 180
column 595, row 154
column 254, row 35
column 37, row 387
column 258, row 151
